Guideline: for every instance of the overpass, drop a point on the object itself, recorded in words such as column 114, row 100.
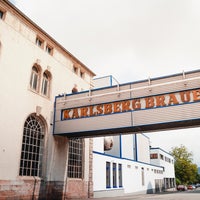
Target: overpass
column 162, row 103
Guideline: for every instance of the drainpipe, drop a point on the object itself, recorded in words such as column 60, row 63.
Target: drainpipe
column 33, row 195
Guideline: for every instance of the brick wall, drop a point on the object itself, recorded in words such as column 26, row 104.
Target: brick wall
column 31, row 190
column 76, row 189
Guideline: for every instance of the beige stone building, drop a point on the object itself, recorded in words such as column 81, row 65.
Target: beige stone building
column 34, row 69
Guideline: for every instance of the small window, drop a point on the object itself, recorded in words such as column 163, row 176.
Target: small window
column 49, row 50
column 75, row 69
column 82, row 74
column 34, row 81
column 45, row 90
column 1, row 14
column 154, row 156
column 39, row 42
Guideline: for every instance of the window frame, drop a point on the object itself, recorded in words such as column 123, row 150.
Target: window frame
column 46, row 84
column 2, row 14
column 75, row 69
column 32, row 148
column 108, row 175
column 114, row 173
column 82, row 74
column 75, row 158
column 34, row 83
column 120, row 175
column 49, row 49
column 39, row 42
column 153, row 156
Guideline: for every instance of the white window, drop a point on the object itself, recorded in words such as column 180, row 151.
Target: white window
column 45, row 90
column 32, row 147
column 34, row 81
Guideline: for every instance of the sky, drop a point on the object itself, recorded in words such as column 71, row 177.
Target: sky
column 129, row 39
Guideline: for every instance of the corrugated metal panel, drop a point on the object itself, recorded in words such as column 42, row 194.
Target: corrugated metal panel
column 167, row 114
column 186, row 110
column 94, row 123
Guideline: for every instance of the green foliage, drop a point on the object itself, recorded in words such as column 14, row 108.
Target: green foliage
column 198, row 178
column 185, row 171
column 178, row 182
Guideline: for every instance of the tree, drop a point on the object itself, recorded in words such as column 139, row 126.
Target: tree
column 185, row 171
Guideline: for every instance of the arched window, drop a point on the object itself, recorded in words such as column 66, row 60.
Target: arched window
column 32, row 147
column 34, row 81
column 45, row 90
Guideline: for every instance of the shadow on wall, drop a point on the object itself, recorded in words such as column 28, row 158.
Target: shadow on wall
column 51, row 190
column 150, row 188
column 54, row 187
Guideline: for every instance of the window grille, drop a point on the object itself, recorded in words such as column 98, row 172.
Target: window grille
column 75, row 160
column 32, row 147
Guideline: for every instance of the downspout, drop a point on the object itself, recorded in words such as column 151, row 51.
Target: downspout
column 33, row 195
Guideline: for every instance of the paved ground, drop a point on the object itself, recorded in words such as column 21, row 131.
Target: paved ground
column 187, row 195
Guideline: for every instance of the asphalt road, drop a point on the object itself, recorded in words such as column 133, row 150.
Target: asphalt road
column 186, row 195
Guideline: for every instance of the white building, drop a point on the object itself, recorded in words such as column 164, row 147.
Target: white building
column 162, row 158
column 127, row 167
column 37, row 164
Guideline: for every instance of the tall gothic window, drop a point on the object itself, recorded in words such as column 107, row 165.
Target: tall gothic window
column 75, row 160
column 45, row 90
column 32, row 147
column 34, row 81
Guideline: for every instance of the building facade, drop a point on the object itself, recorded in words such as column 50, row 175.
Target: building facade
column 35, row 163
column 34, row 69
column 130, row 167
column 162, row 158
